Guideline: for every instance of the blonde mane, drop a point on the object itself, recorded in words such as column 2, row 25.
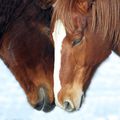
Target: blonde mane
column 65, row 10
column 106, row 18
column 105, row 15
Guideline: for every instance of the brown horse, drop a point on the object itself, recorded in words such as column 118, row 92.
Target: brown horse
column 26, row 49
column 84, row 34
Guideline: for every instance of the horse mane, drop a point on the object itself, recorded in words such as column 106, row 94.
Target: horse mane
column 66, row 10
column 106, row 19
column 9, row 10
column 63, row 10
column 45, row 14
column 105, row 15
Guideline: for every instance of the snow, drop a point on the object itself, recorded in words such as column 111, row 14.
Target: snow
column 101, row 103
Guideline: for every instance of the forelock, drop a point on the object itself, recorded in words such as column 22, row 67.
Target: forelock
column 65, row 10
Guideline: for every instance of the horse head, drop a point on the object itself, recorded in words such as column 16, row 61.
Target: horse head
column 27, row 51
column 78, row 50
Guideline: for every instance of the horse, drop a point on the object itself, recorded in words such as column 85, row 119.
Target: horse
column 26, row 49
column 84, row 32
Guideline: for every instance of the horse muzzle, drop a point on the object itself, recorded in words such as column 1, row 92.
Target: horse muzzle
column 44, row 102
column 70, row 99
column 70, row 106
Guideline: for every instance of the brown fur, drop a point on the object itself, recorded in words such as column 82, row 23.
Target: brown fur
column 28, row 53
column 96, row 23
column 45, row 3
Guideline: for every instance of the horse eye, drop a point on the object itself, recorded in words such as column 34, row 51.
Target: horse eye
column 76, row 42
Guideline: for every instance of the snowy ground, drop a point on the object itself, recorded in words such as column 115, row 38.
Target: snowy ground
column 102, row 101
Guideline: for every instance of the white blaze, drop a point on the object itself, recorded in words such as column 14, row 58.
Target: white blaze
column 58, row 37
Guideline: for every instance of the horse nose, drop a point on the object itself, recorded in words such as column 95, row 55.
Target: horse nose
column 48, row 106
column 44, row 103
column 45, row 106
column 73, row 104
column 68, row 105
column 39, row 105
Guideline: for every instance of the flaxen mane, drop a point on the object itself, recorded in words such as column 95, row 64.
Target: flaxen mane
column 106, row 18
column 66, row 10
column 105, row 15
column 63, row 10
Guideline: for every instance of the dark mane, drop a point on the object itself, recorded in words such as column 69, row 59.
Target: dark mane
column 44, row 14
column 9, row 10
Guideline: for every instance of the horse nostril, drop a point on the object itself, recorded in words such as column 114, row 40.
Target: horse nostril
column 48, row 106
column 39, row 105
column 68, row 106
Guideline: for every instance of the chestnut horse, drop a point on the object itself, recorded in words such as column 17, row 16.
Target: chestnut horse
column 84, row 34
column 26, row 49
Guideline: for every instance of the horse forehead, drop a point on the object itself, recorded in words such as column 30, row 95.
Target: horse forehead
column 59, row 32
